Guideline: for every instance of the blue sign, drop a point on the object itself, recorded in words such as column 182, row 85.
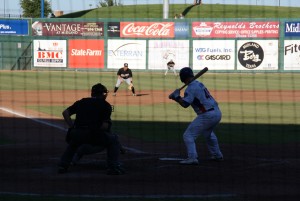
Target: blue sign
column 181, row 30
column 292, row 29
column 14, row 27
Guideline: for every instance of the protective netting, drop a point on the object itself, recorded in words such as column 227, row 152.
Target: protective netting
column 236, row 124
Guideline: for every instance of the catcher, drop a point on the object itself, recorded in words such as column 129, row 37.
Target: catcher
column 124, row 74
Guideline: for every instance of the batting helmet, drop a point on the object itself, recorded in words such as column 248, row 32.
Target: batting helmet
column 98, row 90
column 185, row 73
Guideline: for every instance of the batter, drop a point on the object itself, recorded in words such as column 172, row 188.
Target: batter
column 208, row 117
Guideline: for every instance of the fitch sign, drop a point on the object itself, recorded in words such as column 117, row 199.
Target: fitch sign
column 147, row 30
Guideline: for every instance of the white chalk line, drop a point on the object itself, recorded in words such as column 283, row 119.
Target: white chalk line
column 128, row 148
column 56, row 126
column 32, row 118
column 97, row 196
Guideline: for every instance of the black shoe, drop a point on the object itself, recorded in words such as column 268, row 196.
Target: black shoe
column 117, row 170
column 62, row 170
column 217, row 159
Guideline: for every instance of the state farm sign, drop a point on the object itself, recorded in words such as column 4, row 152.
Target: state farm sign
column 147, row 29
column 86, row 53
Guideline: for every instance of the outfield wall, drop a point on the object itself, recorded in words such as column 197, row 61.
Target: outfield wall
column 231, row 45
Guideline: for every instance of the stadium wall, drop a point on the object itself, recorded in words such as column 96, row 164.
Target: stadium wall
column 231, row 45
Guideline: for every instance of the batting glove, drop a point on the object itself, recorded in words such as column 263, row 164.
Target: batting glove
column 174, row 95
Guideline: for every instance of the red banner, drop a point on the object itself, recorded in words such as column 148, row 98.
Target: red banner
column 235, row 29
column 147, row 29
column 86, row 53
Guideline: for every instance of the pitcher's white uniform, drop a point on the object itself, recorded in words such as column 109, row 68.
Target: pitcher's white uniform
column 208, row 116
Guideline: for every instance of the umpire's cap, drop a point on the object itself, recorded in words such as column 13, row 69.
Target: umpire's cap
column 98, row 90
column 185, row 73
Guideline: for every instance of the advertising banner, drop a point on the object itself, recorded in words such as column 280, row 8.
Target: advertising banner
column 67, row 28
column 160, row 52
column 182, row 30
column 113, row 29
column 50, row 53
column 292, row 29
column 214, row 54
column 132, row 52
column 235, row 29
column 257, row 55
column 14, row 27
column 147, row 29
column 86, row 53
column 292, row 55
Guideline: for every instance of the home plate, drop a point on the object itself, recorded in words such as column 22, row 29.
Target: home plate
column 171, row 159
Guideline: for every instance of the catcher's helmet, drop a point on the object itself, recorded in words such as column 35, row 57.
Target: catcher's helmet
column 98, row 90
column 185, row 73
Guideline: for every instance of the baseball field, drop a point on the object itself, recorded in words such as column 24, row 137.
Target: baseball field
column 258, row 135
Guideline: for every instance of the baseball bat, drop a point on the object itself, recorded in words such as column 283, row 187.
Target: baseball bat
column 195, row 77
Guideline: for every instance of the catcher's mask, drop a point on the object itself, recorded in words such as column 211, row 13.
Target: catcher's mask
column 98, row 90
column 185, row 73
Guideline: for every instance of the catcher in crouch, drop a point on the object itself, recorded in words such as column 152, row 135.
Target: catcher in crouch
column 124, row 74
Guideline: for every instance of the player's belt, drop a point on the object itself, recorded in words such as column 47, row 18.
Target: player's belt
column 211, row 109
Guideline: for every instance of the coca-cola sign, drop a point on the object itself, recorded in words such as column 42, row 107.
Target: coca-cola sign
column 147, row 30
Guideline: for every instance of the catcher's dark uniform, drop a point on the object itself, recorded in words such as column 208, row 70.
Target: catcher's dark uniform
column 91, row 113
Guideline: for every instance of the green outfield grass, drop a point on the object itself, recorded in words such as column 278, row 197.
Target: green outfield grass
column 69, row 80
column 241, row 123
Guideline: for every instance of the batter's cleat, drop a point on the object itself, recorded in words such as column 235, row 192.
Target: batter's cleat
column 114, row 94
column 217, row 159
column 133, row 94
column 189, row 161
column 117, row 170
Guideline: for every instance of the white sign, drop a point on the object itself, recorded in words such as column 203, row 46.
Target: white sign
column 50, row 53
column 214, row 54
column 257, row 55
column 132, row 52
column 291, row 55
column 162, row 51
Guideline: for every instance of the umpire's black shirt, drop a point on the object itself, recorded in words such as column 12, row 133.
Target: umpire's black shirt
column 91, row 112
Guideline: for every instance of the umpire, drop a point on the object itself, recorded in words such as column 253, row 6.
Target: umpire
column 91, row 126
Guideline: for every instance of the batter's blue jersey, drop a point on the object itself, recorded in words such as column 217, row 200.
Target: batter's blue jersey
column 197, row 95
